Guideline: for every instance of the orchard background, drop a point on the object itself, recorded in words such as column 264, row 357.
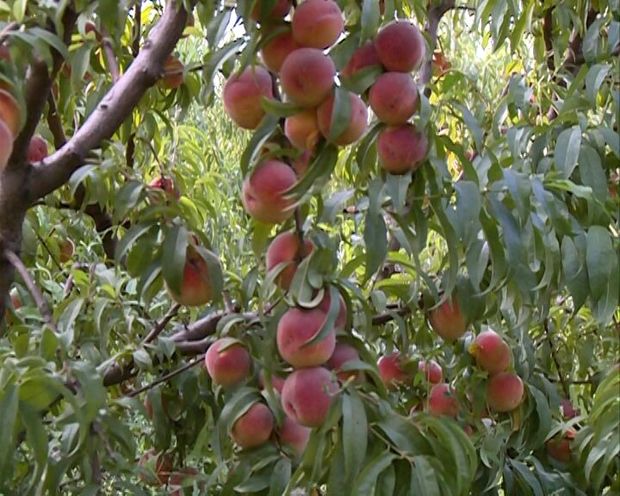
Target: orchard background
column 126, row 250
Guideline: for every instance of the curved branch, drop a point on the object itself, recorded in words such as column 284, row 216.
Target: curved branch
column 432, row 25
column 115, row 106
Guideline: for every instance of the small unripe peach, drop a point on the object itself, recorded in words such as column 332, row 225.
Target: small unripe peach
column 401, row 149
column 37, row 149
column 307, row 395
column 358, row 120
column 391, row 370
column 400, row 46
column 295, row 328
column 167, row 185
column 254, row 427
column 10, row 113
column 432, row 371
column 275, row 51
column 491, row 352
column 294, row 435
column 228, row 362
column 67, row 249
column 286, row 247
column 172, row 76
column 364, row 56
column 243, row 93
column 442, row 401
column 317, row 23
column 448, row 321
column 393, row 98
column 504, row 392
column 278, row 11
column 302, row 129
column 264, row 192
column 343, row 353
column 307, row 76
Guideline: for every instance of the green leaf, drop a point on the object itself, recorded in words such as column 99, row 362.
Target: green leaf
column 260, row 136
column 9, row 402
column 280, row 477
column 341, row 114
column 594, row 80
column 173, row 257
column 354, row 432
column 367, row 479
column 135, row 233
column 371, row 16
column 602, row 264
column 278, row 108
column 567, row 150
column 423, row 480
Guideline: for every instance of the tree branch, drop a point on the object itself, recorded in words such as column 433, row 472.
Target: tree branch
column 156, row 331
column 432, row 25
column 548, row 38
column 555, row 359
column 110, row 56
column 167, row 377
column 115, row 106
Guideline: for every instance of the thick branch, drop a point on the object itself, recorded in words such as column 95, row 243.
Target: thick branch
column 115, row 106
column 432, row 25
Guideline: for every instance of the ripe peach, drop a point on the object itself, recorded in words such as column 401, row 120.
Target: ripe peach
column 196, row 288
column 568, row 410
column 158, row 467
column 358, row 120
column 307, row 395
column 264, row 190
column 400, row 46
column 442, row 401
column 172, row 76
column 364, row 56
column 243, row 94
column 6, row 145
column 401, row 149
column 391, row 370
column 37, row 149
column 293, row 435
column 302, row 129
column 559, row 447
column 10, row 113
column 343, row 353
column 166, row 184
column 278, row 11
column 295, row 328
column 431, row 370
column 491, row 352
column 286, row 247
column 228, row 362
column 448, row 321
column 254, row 427
column 393, row 97
column 67, row 249
column 317, row 23
column 277, row 382
column 341, row 319
column 307, row 76
column 275, row 51
column 504, row 392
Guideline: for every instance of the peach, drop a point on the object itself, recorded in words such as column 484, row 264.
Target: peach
column 6, row 145
column 275, row 51
column 400, row 46
column 317, row 23
column 243, row 94
column 172, row 76
column 307, row 76
column 166, row 184
column 286, row 248
column 302, row 129
column 158, row 467
column 442, row 401
column 491, row 352
column 37, row 149
column 343, row 353
column 10, row 113
column 5, row 53
column 401, row 149
column 341, row 319
column 448, row 321
column 277, row 382
column 358, row 120
column 302, row 162
column 228, row 362
column 504, row 392
column 364, row 56
column 196, row 288
column 254, row 427
column 393, row 98
column 295, row 328
column 278, row 10
column 293, row 435
column 264, row 192
column 432, row 371
column 307, row 395
column 391, row 370
column 182, row 477
column 67, row 249
column 568, row 410
column 559, row 447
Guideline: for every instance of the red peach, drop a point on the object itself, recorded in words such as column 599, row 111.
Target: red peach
column 172, row 76
column 391, row 370
column 286, row 248
column 243, row 93
column 294, row 435
column 448, row 321
column 307, row 76
column 10, row 113
column 559, row 447
column 196, row 288
column 264, row 192
column 491, row 352
column 37, row 149
column 442, row 401
column 302, row 129
column 295, row 328
column 254, row 427
column 307, row 395
column 393, row 98
column 432, row 371
column 504, row 392
column 341, row 319
column 358, row 120
column 364, row 56
column 278, row 11
column 275, row 51
column 401, row 149
column 343, row 353
column 166, row 184
column 6, row 145
column 317, row 23
column 228, row 362
column 400, row 46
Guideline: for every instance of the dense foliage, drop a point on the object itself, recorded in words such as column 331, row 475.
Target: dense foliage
column 140, row 244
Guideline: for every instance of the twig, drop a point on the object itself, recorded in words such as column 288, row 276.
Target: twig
column 38, row 297
column 432, row 24
column 554, row 356
column 4, row 34
column 161, row 325
column 137, row 33
column 110, row 56
column 548, row 37
column 54, row 123
column 384, row 318
column 300, row 235
column 167, row 377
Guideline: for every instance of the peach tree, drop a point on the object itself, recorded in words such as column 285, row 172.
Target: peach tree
column 309, row 247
